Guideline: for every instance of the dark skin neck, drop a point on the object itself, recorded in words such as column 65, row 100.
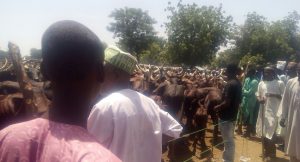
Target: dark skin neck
column 68, row 113
column 119, row 84
column 230, row 77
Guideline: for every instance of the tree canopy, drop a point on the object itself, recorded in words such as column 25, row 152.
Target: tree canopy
column 259, row 41
column 196, row 33
column 134, row 29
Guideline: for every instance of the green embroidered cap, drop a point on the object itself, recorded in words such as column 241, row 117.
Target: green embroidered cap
column 120, row 59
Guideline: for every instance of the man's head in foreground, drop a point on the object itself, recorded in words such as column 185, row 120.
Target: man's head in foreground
column 73, row 62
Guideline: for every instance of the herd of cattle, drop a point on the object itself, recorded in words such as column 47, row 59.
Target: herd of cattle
column 189, row 95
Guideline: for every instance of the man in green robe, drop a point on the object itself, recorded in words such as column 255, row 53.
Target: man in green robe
column 249, row 102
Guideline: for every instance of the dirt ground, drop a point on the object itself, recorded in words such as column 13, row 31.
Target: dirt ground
column 251, row 149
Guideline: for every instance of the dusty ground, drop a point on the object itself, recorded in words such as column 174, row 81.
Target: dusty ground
column 250, row 148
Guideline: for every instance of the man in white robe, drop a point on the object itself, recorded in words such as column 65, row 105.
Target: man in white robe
column 269, row 95
column 291, row 73
column 290, row 117
column 126, row 122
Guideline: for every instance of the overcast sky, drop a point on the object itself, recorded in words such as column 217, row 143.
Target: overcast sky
column 24, row 21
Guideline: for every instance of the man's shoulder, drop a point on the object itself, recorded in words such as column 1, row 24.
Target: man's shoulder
column 114, row 97
column 22, row 133
column 73, row 139
column 15, row 129
column 255, row 80
column 234, row 83
column 280, row 81
column 292, row 82
column 261, row 83
column 122, row 97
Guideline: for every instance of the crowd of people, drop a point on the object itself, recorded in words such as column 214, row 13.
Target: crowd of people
column 124, row 126
column 106, row 107
column 269, row 108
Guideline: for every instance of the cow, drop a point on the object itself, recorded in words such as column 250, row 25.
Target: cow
column 21, row 98
column 172, row 95
column 189, row 96
column 11, row 109
column 213, row 98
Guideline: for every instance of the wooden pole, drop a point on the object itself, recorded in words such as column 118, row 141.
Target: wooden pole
column 262, row 130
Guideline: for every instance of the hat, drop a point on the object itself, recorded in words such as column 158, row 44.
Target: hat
column 120, row 59
column 281, row 65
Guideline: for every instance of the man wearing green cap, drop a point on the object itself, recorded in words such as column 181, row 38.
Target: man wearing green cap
column 126, row 122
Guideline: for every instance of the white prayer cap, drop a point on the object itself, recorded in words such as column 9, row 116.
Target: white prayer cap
column 281, row 65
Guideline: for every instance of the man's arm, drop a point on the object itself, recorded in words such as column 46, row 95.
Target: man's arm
column 224, row 104
column 259, row 94
column 227, row 99
column 284, row 105
column 169, row 125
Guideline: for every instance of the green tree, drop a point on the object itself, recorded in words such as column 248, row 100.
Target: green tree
column 225, row 57
column 196, row 33
column 155, row 53
column 283, row 38
column 254, row 60
column 265, row 42
column 252, row 37
column 134, row 29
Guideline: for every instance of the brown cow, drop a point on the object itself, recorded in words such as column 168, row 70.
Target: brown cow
column 24, row 99
column 11, row 109
column 172, row 95
column 212, row 99
column 200, row 124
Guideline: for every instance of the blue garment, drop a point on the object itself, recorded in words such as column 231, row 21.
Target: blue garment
column 227, row 132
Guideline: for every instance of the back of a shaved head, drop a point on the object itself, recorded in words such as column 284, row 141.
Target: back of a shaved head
column 70, row 50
